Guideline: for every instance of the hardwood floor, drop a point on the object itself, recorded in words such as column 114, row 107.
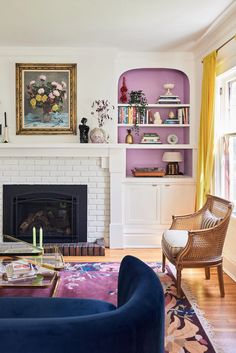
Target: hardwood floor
column 220, row 312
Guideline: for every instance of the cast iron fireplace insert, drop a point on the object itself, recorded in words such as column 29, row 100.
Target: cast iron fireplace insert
column 61, row 210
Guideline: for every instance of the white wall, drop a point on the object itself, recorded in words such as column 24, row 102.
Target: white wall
column 98, row 72
column 226, row 59
column 95, row 71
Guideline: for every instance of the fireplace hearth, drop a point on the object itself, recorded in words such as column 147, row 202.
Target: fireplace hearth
column 61, row 210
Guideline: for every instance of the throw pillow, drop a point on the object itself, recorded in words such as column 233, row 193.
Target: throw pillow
column 209, row 220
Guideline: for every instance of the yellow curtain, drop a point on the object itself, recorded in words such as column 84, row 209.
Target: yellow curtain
column 206, row 132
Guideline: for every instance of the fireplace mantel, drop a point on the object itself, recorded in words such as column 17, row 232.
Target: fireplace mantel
column 57, row 150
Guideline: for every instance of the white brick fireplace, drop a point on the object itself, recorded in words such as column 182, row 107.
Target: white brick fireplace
column 95, row 166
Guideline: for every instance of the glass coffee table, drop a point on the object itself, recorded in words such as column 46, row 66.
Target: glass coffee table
column 23, row 265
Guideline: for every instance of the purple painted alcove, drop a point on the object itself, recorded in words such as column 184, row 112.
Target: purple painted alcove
column 152, row 158
column 151, row 82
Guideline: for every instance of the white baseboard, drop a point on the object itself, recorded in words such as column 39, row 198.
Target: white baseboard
column 229, row 266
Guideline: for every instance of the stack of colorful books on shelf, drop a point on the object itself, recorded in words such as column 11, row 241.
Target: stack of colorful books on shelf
column 131, row 115
column 171, row 121
column 171, row 99
column 183, row 115
column 151, row 138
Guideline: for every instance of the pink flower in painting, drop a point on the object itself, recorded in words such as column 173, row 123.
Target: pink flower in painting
column 41, row 91
column 63, row 84
column 32, row 82
column 51, row 96
column 56, row 93
column 54, row 83
column 42, row 77
column 59, row 87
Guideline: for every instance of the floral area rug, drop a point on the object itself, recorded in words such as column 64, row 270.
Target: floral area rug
column 184, row 331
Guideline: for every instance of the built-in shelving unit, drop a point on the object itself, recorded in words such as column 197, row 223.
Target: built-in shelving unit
column 151, row 82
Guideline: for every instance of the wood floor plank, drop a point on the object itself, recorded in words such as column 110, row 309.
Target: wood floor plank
column 220, row 312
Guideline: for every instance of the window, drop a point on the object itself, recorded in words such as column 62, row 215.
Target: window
column 225, row 136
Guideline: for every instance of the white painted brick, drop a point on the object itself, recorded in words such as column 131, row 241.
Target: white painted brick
column 42, row 173
column 33, row 180
column 42, row 162
column 66, row 180
column 102, row 185
column 57, row 161
column 92, row 196
column 91, row 218
column 10, row 161
column 97, row 179
column 97, row 212
column 80, row 180
column 18, row 180
column 10, row 173
column 91, row 185
column 95, row 223
column 65, row 167
column 91, row 207
column 80, row 167
column 88, row 173
column 92, row 229
column 89, row 162
column 94, row 168
column 57, row 173
column 101, row 218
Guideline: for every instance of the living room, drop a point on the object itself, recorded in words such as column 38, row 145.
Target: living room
column 101, row 52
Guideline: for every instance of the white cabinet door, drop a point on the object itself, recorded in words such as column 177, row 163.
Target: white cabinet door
column 142, row 204
column 176, row 200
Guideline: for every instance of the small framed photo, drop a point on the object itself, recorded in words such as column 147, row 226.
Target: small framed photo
column 46, row 99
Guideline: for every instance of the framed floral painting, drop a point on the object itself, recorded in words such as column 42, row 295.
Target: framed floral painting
column 45, row 99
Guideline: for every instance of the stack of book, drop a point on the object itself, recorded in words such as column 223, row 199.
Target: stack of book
column 19, row 270
column 150, row 138
column 171, row 121
column 171, row 99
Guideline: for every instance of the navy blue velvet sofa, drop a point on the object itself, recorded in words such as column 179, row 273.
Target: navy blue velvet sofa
column 66, row 325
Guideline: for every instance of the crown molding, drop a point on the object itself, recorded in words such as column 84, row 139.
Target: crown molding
column 223, row 27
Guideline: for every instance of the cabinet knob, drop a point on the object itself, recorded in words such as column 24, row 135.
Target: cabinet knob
column 154, row 184
column 167, row 185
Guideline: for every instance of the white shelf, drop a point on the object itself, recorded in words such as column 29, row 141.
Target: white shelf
column 157, row 105
column 154, row 125
column 158, row 146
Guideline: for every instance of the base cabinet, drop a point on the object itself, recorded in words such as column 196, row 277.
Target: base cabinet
column 148, row 210
column 176, row 200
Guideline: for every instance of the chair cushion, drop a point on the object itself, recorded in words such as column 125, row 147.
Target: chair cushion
column 175, row 240
column 209, row 220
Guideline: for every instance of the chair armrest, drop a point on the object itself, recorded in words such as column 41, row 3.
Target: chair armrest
column 187, row 222
column 201, row 246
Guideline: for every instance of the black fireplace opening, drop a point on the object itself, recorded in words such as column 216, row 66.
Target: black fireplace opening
column 61, row 211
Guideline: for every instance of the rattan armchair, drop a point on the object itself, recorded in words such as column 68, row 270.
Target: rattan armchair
column 201, row 247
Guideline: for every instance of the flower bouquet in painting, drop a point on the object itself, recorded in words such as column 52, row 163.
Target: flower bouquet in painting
column 46, row 98
column 49, row 97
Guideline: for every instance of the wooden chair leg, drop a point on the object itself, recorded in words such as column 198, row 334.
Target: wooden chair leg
column 163, row 262
column 221, row 280
column 207, row 272
column 178, row 274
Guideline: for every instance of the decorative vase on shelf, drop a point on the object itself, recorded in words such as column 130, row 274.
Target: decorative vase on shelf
column 98, row 135
column 129, row 138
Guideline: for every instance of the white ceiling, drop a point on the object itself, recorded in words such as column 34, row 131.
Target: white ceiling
column 146, row 25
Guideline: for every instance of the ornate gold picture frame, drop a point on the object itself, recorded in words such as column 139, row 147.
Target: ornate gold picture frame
column 46, row 99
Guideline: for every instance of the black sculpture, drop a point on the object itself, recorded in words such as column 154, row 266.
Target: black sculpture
column 84, row 129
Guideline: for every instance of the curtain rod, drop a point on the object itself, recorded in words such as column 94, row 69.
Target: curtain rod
column 229, row 40
column 222, row 45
